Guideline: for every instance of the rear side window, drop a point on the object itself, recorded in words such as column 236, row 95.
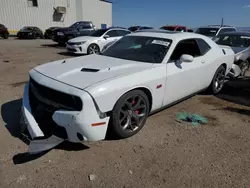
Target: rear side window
column 122, row 32
column 203, row 46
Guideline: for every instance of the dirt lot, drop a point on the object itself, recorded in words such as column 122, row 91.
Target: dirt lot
column 165, row 153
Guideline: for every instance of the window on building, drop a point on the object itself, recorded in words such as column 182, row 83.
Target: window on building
column 32, row 3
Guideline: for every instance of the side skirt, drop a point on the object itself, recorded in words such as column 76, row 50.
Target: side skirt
column 176, row 102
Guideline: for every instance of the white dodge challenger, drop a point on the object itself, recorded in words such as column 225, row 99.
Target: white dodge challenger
column 83, row 98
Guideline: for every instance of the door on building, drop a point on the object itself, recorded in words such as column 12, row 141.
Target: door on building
column 103, row 26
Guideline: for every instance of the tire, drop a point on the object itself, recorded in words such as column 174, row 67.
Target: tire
column 34, row 36
column 6, row 36
column 129, row 114
column 244, row 66
column 93, row 49
column 218, row 81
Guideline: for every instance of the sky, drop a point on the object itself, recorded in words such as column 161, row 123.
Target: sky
column 192, row 13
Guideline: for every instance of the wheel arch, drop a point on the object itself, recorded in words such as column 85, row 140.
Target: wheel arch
column 146, row 90
column 224, row 65
column 93, row 43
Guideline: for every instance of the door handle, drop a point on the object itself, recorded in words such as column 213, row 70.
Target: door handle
column 203, row 61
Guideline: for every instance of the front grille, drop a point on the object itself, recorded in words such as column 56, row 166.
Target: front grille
column 54, row 99
column 44, row 102
column 72, row 50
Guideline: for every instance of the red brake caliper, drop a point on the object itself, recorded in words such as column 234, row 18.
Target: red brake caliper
column 136, row 111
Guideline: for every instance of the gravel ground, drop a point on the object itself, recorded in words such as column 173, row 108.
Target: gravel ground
column 166, row 153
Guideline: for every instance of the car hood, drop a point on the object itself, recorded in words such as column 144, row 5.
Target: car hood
column 85, row 71
column 83, row 38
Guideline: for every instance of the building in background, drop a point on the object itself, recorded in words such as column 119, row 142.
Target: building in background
column 15, row 14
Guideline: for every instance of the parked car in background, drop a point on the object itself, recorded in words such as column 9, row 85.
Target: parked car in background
column 240, row 43
column 82, row 28
column 49, row 32
column 4, row 31
column 190, row 30
column 95, row 42
column 82, row 98
column 30, row 32
column 214, row 30
column 136, row 28
column 179, row 28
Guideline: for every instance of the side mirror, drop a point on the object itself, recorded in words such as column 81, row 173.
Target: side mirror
column 106, row 36
column 186, row 58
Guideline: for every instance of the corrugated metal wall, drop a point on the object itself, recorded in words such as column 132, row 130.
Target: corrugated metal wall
column 98, row 12
column 15, row 14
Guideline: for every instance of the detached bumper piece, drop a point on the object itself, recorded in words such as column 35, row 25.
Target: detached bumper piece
column 41, row 103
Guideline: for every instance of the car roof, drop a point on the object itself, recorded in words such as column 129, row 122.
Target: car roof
column 173, row 35
column 173, row 26
column 245, row 33
column 216, row 26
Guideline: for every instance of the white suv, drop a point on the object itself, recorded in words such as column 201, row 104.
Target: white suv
column 214, row 30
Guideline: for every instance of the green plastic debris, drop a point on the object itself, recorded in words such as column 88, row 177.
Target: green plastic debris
column 195, row 119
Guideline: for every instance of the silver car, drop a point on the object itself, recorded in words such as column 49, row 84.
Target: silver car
column 240, row 44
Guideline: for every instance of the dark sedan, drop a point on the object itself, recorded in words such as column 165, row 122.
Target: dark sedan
column 4, row 31
column 30, row 32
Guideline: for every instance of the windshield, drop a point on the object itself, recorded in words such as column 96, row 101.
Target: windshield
column 139, row 48
column 75, row 25
column 134, row 28
column 207, row 31
column 168, row 28
column 98, row 33
column 233, row 40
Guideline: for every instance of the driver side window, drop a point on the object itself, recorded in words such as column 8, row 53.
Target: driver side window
column 188, row 46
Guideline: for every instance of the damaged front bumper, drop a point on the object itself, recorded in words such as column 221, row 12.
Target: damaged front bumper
column 74, row 126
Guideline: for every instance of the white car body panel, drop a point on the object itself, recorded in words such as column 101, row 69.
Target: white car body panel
column 166, row 82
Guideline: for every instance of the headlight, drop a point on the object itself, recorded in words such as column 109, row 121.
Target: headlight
column 77, row 43
column 60, row 33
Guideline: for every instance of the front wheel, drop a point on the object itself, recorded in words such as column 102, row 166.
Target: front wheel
column 218, row 80
column 129, row 114
column 93, row 49
column 244, row 67
column 6, row 36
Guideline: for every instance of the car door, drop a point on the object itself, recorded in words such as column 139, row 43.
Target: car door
column 112, row 36
column 84, row 29
column 185, row 78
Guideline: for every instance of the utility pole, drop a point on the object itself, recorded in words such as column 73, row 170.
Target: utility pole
column 222, row 22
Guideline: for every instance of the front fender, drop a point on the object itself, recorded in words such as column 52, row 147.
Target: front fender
column 106, row 94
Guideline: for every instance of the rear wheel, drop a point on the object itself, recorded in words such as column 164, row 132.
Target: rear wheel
column 218, row 80
column 129, row 114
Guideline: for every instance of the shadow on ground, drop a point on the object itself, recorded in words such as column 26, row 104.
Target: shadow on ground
column 69, row 54
column 237, row 91
column 10, row 112
column 54, row 45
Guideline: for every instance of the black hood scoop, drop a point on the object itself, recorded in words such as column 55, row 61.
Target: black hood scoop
column 89, row 70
